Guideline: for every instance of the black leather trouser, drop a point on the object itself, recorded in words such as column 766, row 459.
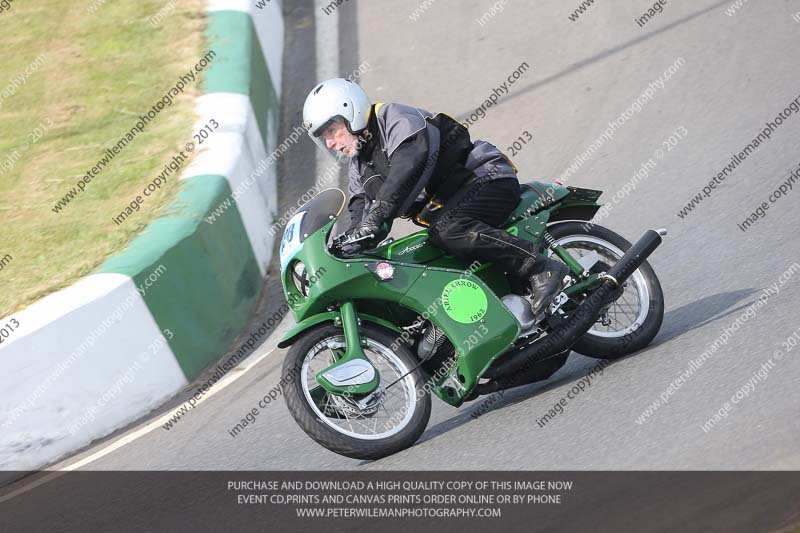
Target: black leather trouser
column 467, row 227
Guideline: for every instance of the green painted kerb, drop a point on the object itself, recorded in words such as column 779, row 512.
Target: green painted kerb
column 240, row 66
column 210, row 280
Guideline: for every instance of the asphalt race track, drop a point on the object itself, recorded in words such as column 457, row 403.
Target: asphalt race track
column 730, row 75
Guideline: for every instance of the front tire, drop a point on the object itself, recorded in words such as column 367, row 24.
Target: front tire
column 338, row 424
column 630, row 329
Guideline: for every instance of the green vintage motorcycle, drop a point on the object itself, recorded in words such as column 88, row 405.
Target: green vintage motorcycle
column 377, row 333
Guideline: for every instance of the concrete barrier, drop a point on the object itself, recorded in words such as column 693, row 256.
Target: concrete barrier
column 93, row 357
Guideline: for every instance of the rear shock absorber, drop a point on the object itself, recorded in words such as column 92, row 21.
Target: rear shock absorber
column 550, row 241
column 570, row 261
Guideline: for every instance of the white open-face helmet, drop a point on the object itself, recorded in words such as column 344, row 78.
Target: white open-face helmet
column 330, row 100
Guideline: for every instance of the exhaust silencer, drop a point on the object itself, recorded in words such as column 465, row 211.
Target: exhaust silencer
column 635, row 256
column 515, row 366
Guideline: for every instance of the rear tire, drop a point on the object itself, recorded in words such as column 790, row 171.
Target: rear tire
column 325, row 430
column 598, row 343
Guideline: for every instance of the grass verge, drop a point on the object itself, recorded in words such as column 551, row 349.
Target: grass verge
column 75, row 77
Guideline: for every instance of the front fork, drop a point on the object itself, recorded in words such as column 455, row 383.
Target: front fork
column 351, row 373
column 351, row 335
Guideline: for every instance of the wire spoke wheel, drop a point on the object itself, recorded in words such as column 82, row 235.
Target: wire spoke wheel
column 629, row 311
column 632, row 320
column 370, row 426
column 386, row 412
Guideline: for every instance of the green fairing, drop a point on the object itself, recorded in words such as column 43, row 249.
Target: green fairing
column 421, row 273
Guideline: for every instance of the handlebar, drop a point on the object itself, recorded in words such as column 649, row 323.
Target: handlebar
column 343, row 240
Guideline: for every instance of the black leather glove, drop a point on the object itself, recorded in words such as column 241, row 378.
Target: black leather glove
column 378, row 232
column 374, row 223
column 348, row 233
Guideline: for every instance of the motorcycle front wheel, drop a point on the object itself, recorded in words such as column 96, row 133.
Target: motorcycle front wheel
column 368, row 428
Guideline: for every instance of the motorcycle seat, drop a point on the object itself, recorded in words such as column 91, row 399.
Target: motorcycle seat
column 533, row 197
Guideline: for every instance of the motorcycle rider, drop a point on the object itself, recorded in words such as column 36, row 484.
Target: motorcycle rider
column 407, row 162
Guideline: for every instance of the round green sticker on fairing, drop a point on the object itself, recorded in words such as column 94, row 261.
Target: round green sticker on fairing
column 464, row 301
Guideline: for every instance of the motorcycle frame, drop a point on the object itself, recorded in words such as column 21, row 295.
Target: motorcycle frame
column 346, row 292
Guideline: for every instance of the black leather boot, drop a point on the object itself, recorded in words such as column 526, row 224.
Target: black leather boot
column 545, row 279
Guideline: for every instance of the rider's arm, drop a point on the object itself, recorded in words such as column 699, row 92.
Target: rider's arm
column 356, row 208
column 355, row 204
column 407, row 164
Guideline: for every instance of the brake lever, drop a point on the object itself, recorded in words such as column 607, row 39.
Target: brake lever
column 352, row 241
column 340, row 242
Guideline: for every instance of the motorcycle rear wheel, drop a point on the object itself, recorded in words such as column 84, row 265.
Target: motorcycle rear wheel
column 635, row 318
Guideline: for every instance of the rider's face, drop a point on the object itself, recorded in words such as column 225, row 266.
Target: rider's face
column 338, row 138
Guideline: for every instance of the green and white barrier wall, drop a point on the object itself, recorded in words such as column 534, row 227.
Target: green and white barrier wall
column 96, row 356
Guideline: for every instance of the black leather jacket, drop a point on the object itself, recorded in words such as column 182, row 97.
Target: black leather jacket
column 409, row 156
